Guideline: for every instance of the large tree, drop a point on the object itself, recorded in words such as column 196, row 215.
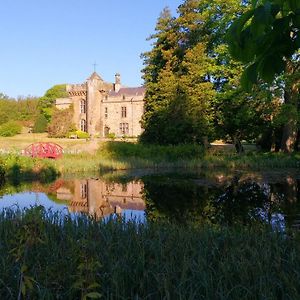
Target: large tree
column 266, row 38
column 47, row 102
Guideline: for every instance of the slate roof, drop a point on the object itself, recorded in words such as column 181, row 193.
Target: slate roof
column 129, row 91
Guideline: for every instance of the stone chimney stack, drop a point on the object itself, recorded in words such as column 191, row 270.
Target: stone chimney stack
column 117, row 84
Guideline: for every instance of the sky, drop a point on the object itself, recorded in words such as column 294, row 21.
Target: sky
column 44, row 42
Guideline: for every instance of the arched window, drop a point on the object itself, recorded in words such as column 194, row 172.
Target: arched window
column 106, row 131
column 82, row 107
column 83, row 125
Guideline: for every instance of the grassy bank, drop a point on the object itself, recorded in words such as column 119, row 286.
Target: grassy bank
column 42, row 259
column 125, row 156
column 17, row 168
column 128, row 156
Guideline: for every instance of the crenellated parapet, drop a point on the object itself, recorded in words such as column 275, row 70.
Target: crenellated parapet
column 77, row 89
column 77, row 93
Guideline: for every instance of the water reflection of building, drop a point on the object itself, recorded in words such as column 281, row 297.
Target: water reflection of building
column 96, row 197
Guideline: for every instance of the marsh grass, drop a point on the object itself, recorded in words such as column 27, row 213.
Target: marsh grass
column 46, row 256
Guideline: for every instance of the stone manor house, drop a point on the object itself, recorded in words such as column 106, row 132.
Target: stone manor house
column 101, row 108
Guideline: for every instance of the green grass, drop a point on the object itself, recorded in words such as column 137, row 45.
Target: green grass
column 45, row 256
column 16, row 167
column 129, row 156
column 126, row 156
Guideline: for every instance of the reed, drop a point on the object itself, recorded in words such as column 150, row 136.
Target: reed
column 46, row 255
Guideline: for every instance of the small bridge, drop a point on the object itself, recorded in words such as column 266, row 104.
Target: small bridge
column 43, row 150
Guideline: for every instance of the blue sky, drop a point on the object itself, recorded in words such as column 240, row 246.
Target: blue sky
column 49, row 42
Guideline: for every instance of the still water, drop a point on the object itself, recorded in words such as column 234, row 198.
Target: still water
column 216, row 198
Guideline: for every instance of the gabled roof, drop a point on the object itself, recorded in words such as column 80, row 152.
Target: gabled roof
column 95, row 76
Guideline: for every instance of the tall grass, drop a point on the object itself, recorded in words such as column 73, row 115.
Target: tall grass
column 46, row 256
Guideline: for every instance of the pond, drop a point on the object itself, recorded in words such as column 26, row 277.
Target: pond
column 217, row 197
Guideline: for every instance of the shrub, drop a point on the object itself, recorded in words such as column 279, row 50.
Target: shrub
column 79, row 134
column 40, row 124
column 10, row 128
column 82, row 135
column 111, row 135
column 61, row 123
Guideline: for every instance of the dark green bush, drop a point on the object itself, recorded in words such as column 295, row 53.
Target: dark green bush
column 40, row 124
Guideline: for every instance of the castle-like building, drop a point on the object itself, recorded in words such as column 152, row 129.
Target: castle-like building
column 102, row 108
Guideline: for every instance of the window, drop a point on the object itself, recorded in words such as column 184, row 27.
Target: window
column 83, row 190
column 83, row 125
column 123, row 112
column 105, row 112
column 124, row 128
column 82, row 107
column 106, row 131
column 124, row 97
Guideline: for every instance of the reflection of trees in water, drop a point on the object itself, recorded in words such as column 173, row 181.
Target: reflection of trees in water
column 177, row 200
column 287, row 194
column 240, row 202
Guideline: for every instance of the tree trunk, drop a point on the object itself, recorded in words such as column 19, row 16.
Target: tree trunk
column 291, row 94
column 238, row 145
column 289, row 136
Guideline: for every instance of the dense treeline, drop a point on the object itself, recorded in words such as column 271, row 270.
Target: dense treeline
column 33, row 112
column 15, row 113
column 23, row 109
column 193, row 83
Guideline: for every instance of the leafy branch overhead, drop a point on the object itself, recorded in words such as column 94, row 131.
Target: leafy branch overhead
column 265, row 37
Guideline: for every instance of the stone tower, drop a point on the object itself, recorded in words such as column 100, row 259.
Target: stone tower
column 95, row 88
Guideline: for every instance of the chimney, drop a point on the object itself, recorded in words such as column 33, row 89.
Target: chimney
column 117, row 84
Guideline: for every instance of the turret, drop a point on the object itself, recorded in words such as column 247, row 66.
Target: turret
column 117, row 84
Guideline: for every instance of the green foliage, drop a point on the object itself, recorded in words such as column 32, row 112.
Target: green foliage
column 265, row 37
column 123, row 150
column 187, row 67
column 24, row 110
column 244, row 116
column 111, row 135
column 10, row 128
column 164, row 260
column 79, row 134
column 18, row 168
column 61, row 123
column 47, row 102
column 40, row 124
